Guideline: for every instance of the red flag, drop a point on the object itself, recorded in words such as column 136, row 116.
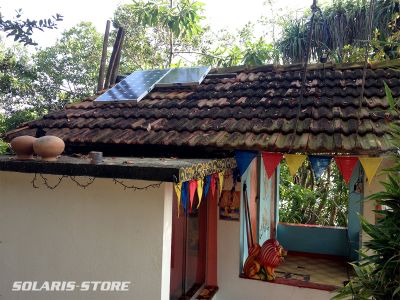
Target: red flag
column 213, row 183
column 271, row 161
column 192, row 191
column 346, row 166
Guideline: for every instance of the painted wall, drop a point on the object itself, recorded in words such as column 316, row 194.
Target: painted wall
column 102, row 232
column 322, row 240
column 231, row 287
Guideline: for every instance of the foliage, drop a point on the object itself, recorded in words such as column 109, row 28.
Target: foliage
column 69, row 69
column 378, row 271
column 157, row 32
column 242, row 48
column 305, row 201
column 341, row 24
column 22, row 30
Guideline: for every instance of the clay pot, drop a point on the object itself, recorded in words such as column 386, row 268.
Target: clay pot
column 23, row 146
column 48, row 147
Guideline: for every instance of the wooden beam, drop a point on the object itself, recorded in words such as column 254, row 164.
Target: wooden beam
column 113, row 59
column 114, row 71
column 100, row 83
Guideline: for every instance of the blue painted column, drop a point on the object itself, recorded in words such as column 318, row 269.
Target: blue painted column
column 355, row 211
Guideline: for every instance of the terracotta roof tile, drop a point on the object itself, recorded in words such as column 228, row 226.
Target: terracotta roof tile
column 258, row 109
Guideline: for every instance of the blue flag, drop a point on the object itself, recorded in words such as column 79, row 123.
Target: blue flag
column 206, row 187
column 243, row 160
column 319, row 163
column 185, row 194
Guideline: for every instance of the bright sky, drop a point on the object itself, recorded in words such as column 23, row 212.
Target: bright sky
column 220, row 14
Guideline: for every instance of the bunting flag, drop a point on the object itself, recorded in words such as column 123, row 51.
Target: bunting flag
column 319, row 163
column 185, row 190
column 243, row 160
column 294, row 162
column 207, row 182
column 221, row 181
column 200, row 184
column 346, row 165
column 213, row 184
column 370, row 166
column 178, row 191
column 271, row 161
column 192, row 191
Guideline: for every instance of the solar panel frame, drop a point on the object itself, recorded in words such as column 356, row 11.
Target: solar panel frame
column 184, row 76
column 134, row 87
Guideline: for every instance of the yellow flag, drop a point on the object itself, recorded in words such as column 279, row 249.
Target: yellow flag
column 370, row 166
column 178, row 191
column 221, row 180
column 294, row 162
column 200, row 184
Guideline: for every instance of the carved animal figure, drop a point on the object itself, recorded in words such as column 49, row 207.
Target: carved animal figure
column 262, row 261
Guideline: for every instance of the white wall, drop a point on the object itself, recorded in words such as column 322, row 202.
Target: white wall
column 102, row 232
column 231, row 287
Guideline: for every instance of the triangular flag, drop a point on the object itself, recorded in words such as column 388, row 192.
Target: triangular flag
column 207, row 182
column 319, row 163
column 192, row 190
column 346, row 165
column 185, row 190
column 243, row 160
column 370, row 166
column 271, row 161
column 221, row 181
column 213, row 183
column 200, row 183
column 178, row 191
column 294, row 162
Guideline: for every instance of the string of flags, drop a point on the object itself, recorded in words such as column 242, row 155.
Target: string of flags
column 214, row 183
column 318, row 163
column 186, row 191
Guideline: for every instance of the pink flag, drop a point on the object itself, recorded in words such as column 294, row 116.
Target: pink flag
column 213, row 183
column 271, row 161
column 346, row 166
column 192, row 191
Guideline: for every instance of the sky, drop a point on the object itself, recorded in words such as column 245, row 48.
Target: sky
column 220, row 14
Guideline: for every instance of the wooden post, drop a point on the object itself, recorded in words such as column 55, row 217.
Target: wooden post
column 114, row 71
column 100, row 83
column 113, row 59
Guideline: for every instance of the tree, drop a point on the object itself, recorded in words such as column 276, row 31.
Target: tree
column 68, row 70
column 22, row 30
column 157, row 32
column 337, row 26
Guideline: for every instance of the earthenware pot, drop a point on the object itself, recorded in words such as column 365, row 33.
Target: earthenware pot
column 23, row 146
column 48, row 147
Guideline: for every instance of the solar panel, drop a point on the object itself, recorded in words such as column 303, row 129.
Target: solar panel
column 134, row 87
column 184, row 77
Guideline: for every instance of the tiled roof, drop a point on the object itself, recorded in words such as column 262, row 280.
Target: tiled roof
column 257, row 109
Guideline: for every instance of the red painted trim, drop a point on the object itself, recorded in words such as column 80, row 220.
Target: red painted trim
column 317, row 255
column 310, row 225
column 212, row 238
column 299, row 283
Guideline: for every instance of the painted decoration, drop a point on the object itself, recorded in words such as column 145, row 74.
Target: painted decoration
column 370, row 166
column 192, row 191
column 200, row 184
column 229, row 206
column 262, row 261
column 294, row 162
column 202, row 169
column 271, row 161
column 185, row 191
column 346, row 165
column 243, row 160
column 178, row 191
column 319, row 163
column 221, row 181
